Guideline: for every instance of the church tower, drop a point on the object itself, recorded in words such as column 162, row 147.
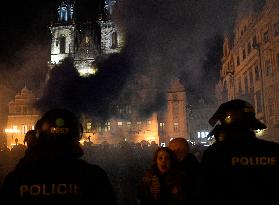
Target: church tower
column 62, row 34
column 111, row 38
column 176, row 118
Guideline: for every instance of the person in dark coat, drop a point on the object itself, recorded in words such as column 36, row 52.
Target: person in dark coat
column 240, row 168
column 189, row 168
column 152, row 190
column 55, row 174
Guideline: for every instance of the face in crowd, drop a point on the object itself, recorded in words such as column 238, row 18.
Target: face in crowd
column 163, row 161
column 179, row 147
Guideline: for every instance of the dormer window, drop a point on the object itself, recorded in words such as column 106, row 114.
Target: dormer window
column 114, row 40
column 266, row 37
column 276, row 29
column 243, row 54
column 249, row 48
column 237, row 61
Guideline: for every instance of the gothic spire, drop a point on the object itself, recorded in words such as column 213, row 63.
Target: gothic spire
column 65, row 11
column 109, row 4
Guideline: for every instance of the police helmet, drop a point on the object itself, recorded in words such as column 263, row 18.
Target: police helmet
column 59, row 125
column 30, row 138
column 237, row 113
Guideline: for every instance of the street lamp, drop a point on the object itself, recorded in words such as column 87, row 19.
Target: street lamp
column 12, row 132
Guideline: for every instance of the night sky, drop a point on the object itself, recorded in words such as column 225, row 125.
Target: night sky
column 164, row 39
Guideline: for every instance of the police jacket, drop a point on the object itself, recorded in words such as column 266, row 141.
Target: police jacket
column 59, row 181
column 241, row 169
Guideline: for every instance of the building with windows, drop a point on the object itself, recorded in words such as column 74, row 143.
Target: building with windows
column 22, row 117
column 250, row 64
column 159, row 127
column 198, row 115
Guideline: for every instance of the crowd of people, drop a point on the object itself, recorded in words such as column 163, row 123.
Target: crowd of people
column 238, row 168
column 125, row 164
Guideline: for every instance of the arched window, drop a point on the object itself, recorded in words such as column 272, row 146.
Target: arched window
column 62, row 44
column 114, row 40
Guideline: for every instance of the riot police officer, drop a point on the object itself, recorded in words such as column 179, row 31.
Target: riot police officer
column 56, row 175
column 240, row 168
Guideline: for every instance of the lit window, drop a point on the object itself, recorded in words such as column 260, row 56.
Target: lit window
column 99, row 129
column 139, row 125
column 24, row 129
column 202, row 134
column 88, row 126
column 119, row 124
column 175, row 126
column 107, row 126
column 162, row 126
column 148, row 124
column 129, row 125
column 87, row 39
column 128, row 109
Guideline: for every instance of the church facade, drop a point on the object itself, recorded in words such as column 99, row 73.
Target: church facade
column 85, row 41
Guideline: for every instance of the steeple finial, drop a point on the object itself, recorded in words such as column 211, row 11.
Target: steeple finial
column 109, row 4
column 65, row 11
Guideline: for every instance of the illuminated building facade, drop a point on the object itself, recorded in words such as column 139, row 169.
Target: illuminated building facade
column 22, row 117
column 250, row 64
column 198, row 115
column 83, row 41
column 160, row 127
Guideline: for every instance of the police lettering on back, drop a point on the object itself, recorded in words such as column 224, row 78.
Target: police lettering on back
column 238, row 166
column 51, row 171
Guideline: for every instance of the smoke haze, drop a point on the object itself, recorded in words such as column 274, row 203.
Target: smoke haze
column 165, row 39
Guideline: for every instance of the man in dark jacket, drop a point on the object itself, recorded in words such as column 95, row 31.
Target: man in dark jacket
column 187, row 173
column 239, row 168
column 54, row 174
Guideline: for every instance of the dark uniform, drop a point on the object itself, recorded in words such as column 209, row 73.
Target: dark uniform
column 240, row 168
column 56, row 175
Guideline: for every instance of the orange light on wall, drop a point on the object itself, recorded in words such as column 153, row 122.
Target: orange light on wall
column 12, row 131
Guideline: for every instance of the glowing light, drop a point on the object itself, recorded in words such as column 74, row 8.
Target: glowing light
column 87, row 71
column 228, row 119
column 13, row 130
column 259, row 133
